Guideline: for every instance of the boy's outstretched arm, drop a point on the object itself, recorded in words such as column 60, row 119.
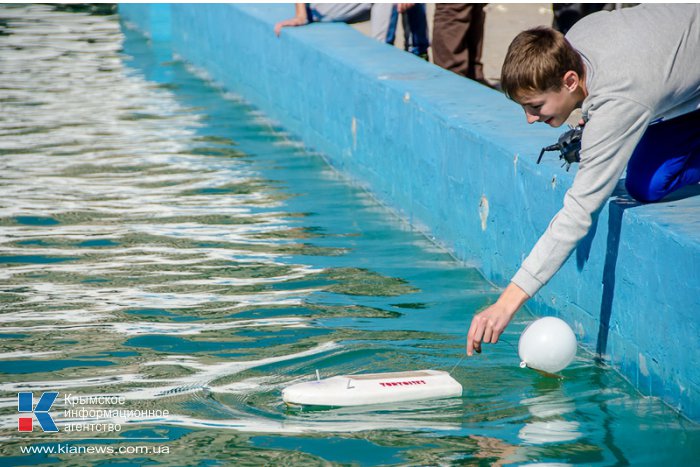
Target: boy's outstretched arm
column 300, row 18
column 488, row 325
column 606, row 148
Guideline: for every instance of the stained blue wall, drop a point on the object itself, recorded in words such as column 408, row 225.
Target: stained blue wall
column 457, row 160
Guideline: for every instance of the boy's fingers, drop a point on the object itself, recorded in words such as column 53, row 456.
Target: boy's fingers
column 470, row 340
column 474, row 338
column 495, row 333
column 473, row 346
column 487, row 333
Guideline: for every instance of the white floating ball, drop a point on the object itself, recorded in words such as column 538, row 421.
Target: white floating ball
column 547, row 344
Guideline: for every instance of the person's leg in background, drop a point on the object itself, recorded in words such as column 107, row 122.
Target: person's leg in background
column 458, row 38
column 415, row 27
column 667, row 158
column 475, row 42
column 384, row 22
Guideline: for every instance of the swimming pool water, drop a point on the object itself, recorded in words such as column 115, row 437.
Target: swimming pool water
column 165, row 243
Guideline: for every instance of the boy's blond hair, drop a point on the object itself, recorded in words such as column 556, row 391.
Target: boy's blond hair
column 537, row 61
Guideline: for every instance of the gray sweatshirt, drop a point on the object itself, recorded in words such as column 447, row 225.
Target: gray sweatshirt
column 642, row 64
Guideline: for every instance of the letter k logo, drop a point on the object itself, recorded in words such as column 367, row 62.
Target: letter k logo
column 25, row 403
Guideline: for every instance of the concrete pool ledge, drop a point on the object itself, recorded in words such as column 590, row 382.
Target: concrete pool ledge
column 457, row 160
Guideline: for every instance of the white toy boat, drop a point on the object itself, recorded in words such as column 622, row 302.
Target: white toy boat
column 373, row 388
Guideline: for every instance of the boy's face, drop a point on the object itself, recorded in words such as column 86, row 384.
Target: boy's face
column 550, row 107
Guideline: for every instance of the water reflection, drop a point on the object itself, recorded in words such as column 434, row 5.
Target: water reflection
column 549, row 424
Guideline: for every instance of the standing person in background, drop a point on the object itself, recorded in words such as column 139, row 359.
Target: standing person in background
column 383, row 18
column 415, row 27
column 458, row 38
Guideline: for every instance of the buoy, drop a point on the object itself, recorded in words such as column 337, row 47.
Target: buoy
column 547, row 344
column 373, row 388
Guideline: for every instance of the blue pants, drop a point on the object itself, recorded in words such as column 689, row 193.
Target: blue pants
column 415, row 27
column 383, row 19
column 666, row 158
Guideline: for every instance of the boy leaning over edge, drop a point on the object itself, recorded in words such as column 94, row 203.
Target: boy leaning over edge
column 635, row 73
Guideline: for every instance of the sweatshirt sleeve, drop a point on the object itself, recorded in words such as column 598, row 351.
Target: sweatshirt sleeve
column 612, row 132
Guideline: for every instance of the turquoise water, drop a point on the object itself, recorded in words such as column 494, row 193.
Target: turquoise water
column 165, row 244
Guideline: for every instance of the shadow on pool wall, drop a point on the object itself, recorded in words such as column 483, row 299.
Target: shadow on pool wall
column 457, row 161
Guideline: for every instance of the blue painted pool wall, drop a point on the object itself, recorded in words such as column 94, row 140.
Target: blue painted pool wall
column 457, row 160
column 152, row 19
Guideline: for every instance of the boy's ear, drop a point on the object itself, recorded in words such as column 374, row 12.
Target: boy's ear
column 571, row 80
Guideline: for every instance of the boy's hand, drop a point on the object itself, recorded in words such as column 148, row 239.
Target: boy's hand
column 488, row 325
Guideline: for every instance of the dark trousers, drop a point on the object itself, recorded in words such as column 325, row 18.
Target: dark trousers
column 666, row 158
column 458, row 38
column 567, row 14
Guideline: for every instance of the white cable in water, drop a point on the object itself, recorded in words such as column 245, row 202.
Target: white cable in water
column 456, row 364
column 463, row 356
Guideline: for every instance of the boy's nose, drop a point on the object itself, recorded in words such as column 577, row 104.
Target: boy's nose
column 531, row 118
